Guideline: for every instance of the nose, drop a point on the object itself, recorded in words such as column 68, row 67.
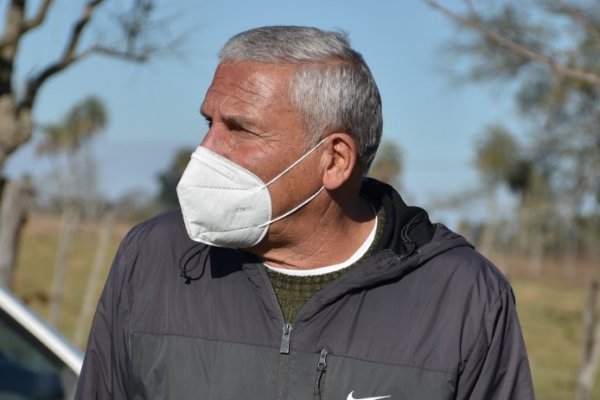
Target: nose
column 217, row 140
column 208, row 139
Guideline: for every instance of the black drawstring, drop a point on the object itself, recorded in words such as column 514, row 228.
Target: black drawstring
column 190, row 260
column 409, row 244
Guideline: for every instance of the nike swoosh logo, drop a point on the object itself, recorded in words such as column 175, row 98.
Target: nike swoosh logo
column 351, row 397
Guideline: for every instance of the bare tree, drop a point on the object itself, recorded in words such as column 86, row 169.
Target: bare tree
column 561, row 66
column 16, row 107
column 132, row 41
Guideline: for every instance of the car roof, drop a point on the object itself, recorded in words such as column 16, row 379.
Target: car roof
column 41, row 330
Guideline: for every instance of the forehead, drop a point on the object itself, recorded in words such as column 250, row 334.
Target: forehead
column 243, row 84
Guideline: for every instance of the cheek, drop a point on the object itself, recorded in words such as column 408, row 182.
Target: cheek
column 266, row 161
column 295, row 186
column 257, row 161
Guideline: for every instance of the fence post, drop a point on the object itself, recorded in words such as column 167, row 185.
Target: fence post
column 590, row 357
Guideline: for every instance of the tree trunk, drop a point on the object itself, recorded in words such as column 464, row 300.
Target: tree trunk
column 15, row 129
column 70, row 222
column 16, row 126
column 16, row 198
column 8, row 126
column 488, row 243
column 570, row 253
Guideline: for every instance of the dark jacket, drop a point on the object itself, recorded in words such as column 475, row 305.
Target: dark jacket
column 425, row 317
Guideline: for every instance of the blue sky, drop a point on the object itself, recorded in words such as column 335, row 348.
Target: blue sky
column 153, row 108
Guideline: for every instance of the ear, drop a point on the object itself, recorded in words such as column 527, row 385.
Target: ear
column 339, row 160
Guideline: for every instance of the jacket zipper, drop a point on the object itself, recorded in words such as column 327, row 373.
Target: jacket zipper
column 321, row 374
column 284, row 351
column 284, row 348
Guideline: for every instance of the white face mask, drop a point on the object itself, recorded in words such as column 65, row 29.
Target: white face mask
column 224, row 204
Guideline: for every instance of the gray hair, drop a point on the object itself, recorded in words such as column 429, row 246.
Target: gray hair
column 332, row 89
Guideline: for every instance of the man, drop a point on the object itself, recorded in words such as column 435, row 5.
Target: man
column 287, row 274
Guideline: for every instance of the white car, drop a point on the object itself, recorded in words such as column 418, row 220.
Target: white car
column 36, row 362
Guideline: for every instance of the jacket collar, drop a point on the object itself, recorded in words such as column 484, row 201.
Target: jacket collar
column 408, row 241
column 405, row 227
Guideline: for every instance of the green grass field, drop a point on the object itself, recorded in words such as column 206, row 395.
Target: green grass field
column 550, row 307
column 551, row 318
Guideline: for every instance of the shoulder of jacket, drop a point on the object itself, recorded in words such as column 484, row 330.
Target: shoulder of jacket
column 163, row 230
column 162, row 226
column 467, row 270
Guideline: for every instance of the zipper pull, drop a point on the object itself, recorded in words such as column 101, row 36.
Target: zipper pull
column 285, row 339
column 321, row 367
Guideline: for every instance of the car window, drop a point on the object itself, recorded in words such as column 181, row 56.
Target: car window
column 28, row 370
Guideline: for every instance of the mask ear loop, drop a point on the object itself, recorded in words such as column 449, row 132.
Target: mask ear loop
column 298, row 161
column 305, row 202
column 293, row 210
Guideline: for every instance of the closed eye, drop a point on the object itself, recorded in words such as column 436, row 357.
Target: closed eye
column 234, row 125
column 239, row 124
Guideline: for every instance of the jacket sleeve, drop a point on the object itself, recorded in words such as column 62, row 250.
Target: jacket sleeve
column 105, row 374
column 497, row 367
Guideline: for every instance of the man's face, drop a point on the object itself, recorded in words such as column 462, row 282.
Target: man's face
column 252, row 123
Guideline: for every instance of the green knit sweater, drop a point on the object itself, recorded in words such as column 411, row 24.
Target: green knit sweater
column 294, row 291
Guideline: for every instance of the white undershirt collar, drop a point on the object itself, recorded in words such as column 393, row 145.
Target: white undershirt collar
column 331, row 268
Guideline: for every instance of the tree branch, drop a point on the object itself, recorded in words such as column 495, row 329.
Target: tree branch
column 579, row 16
column 476, row 23
column 22, row 26
column 125, row 55
column 39, row 17
column 12, row 25
column 69, row 56
column 79, row 27
column 470, row 6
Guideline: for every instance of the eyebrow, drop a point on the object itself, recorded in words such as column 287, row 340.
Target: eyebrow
column 234, row 120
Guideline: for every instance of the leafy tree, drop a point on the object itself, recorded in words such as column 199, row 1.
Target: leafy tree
column 388, row 164
column 550, row 51
column 81, row 124
column 497, row 152
column 70, row 136
column 502, row 161
column 169, row 178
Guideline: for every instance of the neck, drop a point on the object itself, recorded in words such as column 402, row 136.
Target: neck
column 322, row 233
